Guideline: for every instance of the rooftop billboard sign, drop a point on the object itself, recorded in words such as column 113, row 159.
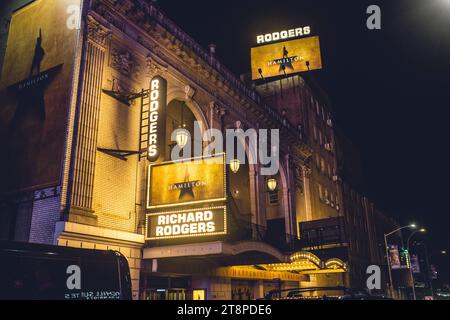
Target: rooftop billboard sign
column 285, row 58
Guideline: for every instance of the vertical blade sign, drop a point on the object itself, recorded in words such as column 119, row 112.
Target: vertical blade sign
column 157, row 119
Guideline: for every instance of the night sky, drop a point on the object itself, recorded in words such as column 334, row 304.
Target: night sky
column 390, row 89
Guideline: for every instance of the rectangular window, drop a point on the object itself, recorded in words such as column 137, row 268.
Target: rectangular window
column 273, row 198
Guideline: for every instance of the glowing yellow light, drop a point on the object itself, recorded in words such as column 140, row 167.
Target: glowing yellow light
column 272, row 184
column 235, row 164
column 182, row 137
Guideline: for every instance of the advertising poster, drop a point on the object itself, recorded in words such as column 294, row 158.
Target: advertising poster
column 173, row 184
column 415, row 264
column 286, row 58
column 394, row 257
column 35, row 91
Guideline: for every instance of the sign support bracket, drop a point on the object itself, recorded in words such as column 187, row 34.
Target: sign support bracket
column 120, row 154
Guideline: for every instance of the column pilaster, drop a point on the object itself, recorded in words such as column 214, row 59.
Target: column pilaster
column 87, row 120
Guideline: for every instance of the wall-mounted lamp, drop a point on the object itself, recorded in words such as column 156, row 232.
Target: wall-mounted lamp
column 235, row 164
column 182, row 137
column 272, row 184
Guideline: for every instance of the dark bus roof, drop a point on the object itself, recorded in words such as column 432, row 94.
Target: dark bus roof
column 43, row 249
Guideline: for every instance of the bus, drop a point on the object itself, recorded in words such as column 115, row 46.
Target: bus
column 43, row 272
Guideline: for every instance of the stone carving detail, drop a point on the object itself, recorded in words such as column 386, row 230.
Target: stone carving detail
column 124, row 62
column 190, row 92
column 298, row 178
column 153, row 68
column 305, row 171
column 97, row 32
column 217, row 110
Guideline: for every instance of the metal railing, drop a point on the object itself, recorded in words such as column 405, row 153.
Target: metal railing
column 244, row 229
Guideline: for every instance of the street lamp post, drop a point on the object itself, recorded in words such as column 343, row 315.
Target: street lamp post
column 391, row 283
column 429, row 276
column 410, row 267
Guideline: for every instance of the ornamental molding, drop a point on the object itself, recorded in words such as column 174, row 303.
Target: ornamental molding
column 217, row 110
column 97, row 32
column 305, row 172
column 154, row 68
column 123, row 61
column 190, row 92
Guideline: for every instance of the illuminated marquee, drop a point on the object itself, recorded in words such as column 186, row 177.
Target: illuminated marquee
column 179, row 183
column 157, row 108
column 283, row 35
column 186, row 223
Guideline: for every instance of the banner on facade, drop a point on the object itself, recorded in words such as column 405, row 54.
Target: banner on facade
column 35, row 92
column 415, row 264
column 394, row 257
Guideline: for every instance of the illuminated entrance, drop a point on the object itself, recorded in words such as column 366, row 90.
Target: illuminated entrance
column 308, row 263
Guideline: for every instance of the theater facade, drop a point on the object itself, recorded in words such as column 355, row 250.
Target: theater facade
column 88, row 129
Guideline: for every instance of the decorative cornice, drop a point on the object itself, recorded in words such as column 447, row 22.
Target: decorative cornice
column 97, row 32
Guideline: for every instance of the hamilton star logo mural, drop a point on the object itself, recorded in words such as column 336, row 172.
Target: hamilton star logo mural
column 287, row 62
column 187, row 187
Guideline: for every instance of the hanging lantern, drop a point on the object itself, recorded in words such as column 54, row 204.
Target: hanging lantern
column 272, row 184
column 235, row 164
column 182, row 137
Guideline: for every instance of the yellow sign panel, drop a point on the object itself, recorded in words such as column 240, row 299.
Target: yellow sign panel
column 199, row 294
column 177, row 183
column 286, row 58
column 186, row 223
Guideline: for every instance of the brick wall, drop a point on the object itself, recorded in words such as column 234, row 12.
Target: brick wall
column 46, row 213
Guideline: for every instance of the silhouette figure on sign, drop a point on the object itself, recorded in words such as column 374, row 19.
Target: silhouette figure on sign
column 285, row 53
column 39, row 54
column 31, row 91
column 286, row 61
